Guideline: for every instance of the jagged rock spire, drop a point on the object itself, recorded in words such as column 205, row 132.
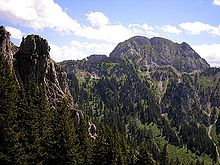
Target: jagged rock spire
column 5, row 45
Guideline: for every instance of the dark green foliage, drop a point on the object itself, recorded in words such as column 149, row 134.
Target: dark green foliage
column 164, row 160
column 169, row 132
column 32, row 131
column 10, row 148
column 120, row 96
column 144, row 156
column 110, row 147
column 197, row 139
column 199, row 162
column 123, row 104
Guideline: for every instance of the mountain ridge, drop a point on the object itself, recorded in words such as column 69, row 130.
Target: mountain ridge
column 143, row 111
column 160, row 52
column 126, row 91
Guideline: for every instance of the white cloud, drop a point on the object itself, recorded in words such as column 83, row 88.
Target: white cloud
column 37, row 15
column 109, row 33
column 170, row 29
column 145, row 30
column 196, row 28
column 77, row 50
column 210, row 52
column 144, row 27
column 97, row 19
column 15, row 33
column 216, row 2
column 102, row 29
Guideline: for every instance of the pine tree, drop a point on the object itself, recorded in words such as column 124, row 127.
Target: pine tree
column 144, row 156
column 164, row 160
column 85, row 143
column 10, row 148
column 62, row 144
column 34, row 122
column 103, row 149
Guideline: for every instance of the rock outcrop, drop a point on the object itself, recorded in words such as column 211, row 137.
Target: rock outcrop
column 6, row 45
column 92, row 130
column 32, row 60
column 159, row 52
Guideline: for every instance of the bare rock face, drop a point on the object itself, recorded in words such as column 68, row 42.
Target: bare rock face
column 160, row 52
column 33, row 61
column 32, row 58
column 5, row 45
column 92, row 130
column 78, row 116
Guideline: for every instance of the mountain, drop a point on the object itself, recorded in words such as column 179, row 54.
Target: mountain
column 160, row 52
column 154, row 91
column 38, row 120
column 151, row 102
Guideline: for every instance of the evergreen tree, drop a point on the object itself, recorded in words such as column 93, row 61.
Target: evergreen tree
column 10, row 149
column 164, row 160
column 144, row 156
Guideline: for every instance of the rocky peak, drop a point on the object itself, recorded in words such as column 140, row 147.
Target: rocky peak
column 33, row 60
column 160, row 52
column 131, row 48
column 5, row 45
column 160, row 41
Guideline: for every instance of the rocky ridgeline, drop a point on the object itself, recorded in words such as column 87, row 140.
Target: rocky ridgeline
column 159, row 52
column 177, row 71
column 6, row 45
column 32, row 60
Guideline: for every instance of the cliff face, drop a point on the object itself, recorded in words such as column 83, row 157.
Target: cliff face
column 6, row 45
column 33, row 60
column 160, row 52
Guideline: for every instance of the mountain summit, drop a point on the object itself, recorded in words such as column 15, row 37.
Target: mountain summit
column 160, row 52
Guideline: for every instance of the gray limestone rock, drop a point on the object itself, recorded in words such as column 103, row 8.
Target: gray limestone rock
column 6, row 45
column 159, row 52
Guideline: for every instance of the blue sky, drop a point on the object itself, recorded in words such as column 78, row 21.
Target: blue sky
column 78, row 28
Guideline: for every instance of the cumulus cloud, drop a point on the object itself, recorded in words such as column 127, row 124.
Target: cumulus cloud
column 145, row 30
column 79, row 50
column 100, row 28
column 110, row 33
column 140, row 28
column 15, row 33
column 210, row 52
column 170, row 29
column 196, row 28
column 97, row 19
column 216, row 2
column 37, row 15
